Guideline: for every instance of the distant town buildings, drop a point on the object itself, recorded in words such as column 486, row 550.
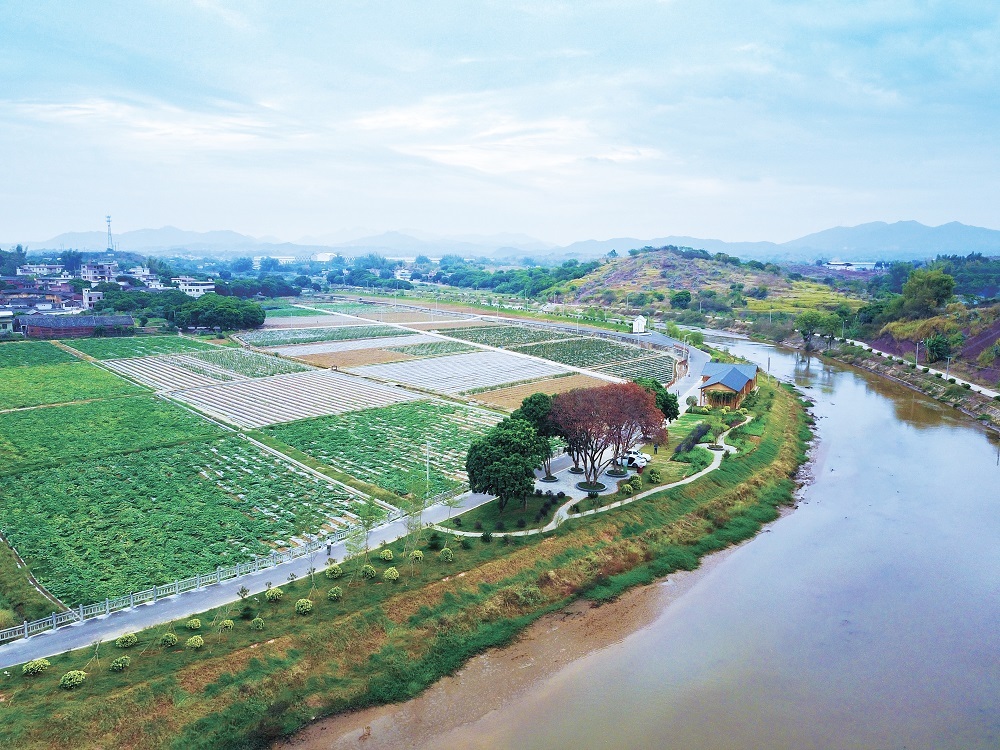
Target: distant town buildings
column 74, row 326
column 97, row 273
column 193, row 287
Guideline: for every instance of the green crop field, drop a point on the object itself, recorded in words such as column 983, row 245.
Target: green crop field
column 288, row 312
column 32, row 353
column 42, row 437
column 247, row 363
column 136, row 346
column 659, row 368
column 584, row 352
column 387, row 447
column 504, row 336
column 285, row 336
column 433, row 349
column 104, row 527
column 803, row 295
column 57, row 384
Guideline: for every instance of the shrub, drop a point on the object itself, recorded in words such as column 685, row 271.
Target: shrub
column 561, row 495
column 126, row 641
column 35, row 666
column 246, row 612
column 194, row 643
column 548, row 493
column 390, row 575
column 574, row 508
column 434, row 541
column 487, row 537
column 626, row 490
column 447, row 555
column 654, row 476
column 636, row 482
column 593, row 495
column 226, row 625
column 966, row 386
column 368, row 571
column 538, row 492
column 386, row 555
column 333, row 572
column 465, row 543
column 500, row 526
column 521, row 523
column 194, row 624
column 72, row 679
column 417, row 555
column 458, row 522
column 167, row 640
column 256, row 624
column 335, row 594
column 120, row 664
column 274, row 595
column 303, row 606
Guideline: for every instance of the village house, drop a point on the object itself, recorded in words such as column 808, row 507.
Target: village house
column 726, row 384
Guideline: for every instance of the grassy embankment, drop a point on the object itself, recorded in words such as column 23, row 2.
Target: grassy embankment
column 386, row 642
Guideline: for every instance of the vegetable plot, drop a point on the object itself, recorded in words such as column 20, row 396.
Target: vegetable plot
column 432, row 349
column 279, row 336
column 659, row 368
column 58, row 384
column 137, row 346
column 105, row 527
column 585, row 352
column 504, row 336
column 31, row 353
column 388, row 447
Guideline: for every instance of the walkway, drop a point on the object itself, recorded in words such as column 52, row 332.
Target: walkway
column 973, row 386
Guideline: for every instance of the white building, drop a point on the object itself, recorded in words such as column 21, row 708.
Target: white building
column 41, row 270
column 193, row 287
column 147, row 277
column 95, row 273
column 639, row 324
column 90, row 297
column 6, row 322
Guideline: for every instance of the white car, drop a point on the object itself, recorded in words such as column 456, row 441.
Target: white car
column 637, row 454
column 635, row 459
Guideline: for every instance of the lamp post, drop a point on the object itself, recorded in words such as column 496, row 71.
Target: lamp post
column 947, row 368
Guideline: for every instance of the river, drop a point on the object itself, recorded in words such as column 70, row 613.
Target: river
column 867, row 618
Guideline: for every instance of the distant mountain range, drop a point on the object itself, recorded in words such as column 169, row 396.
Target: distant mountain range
column 904, row 240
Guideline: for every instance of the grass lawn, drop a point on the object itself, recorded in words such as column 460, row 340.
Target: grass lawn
column 136, row 346
column 488, row 516
column 32, row 353
column 58, row 384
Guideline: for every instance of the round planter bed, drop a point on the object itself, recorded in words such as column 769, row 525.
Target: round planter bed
column 576, row 470
column 616, row 473
column 549, row 479
column 587, row 487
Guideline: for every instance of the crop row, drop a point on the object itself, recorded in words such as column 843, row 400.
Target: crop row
column 659, row 368
column 104, row 527
column 504, row 336
column 32, row 353
column 585, row 352
column 279, row 336
column 432, row 349
column 284, row 398
column 460, row 373
column 330, row 347
column 388, row 447
column 37, row 437
column 137, row 346
column 58, row 384
column 248, row 364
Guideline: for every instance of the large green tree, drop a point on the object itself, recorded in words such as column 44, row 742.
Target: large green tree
column 808, row 324
column 925, row 291
column 666, row 401
column 503, row 461
column 536, row 409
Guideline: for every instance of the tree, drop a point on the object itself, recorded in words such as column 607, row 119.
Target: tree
column 370, row 515
column 938, row 347
column 71, row 260
column 666, row 401
column 599, row 424
column 536, row 409
column 925, row 291
column 242, row 265
column 808, row 323
column 830, row 327
column 680, row 300
column 503, row 461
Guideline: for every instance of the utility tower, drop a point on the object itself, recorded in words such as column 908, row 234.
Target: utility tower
column 111, row 245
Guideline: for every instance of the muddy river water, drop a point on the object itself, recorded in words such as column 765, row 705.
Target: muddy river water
column 867, row 618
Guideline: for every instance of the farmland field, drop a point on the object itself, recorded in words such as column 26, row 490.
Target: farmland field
column 284, row 398
column 459, row 373
column 387, row 447
column 104, row 527
column 248, row 364
column 505, row 336
column 31, row 353
column 354, row 358
column 433, row 349
column 511, row 398
column 803, row 295
column 57, row 384
column 584, row 352
column 283, row 336
column 659, row 368
column 37, row 437
column 165, row 373
column 327, row 347
column 288, row 312
column 136, row 346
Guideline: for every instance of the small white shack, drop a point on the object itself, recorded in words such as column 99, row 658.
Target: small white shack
column 639, row 324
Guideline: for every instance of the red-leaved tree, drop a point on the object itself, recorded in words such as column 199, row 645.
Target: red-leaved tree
column 599, row 424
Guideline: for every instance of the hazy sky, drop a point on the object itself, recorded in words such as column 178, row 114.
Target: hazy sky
column 563, row 120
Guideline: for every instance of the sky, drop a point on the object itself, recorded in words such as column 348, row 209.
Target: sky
column 745, row 120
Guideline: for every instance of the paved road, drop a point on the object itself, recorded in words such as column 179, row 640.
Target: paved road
column 190, row 603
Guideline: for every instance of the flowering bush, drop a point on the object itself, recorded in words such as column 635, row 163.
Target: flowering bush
column 334, row 571
column 226, row 625
column 386, row 555
column 256, row 624
column 194, row 624
column 417, row 555
column 335, row 594
column 274, row 595
column 120, row 664
column 390, row 575
column 368, row 571
column 35, row 666
column 194, row 642
column 303, row 606
column 126, row 641
column 168, row 639
column 72, row 679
